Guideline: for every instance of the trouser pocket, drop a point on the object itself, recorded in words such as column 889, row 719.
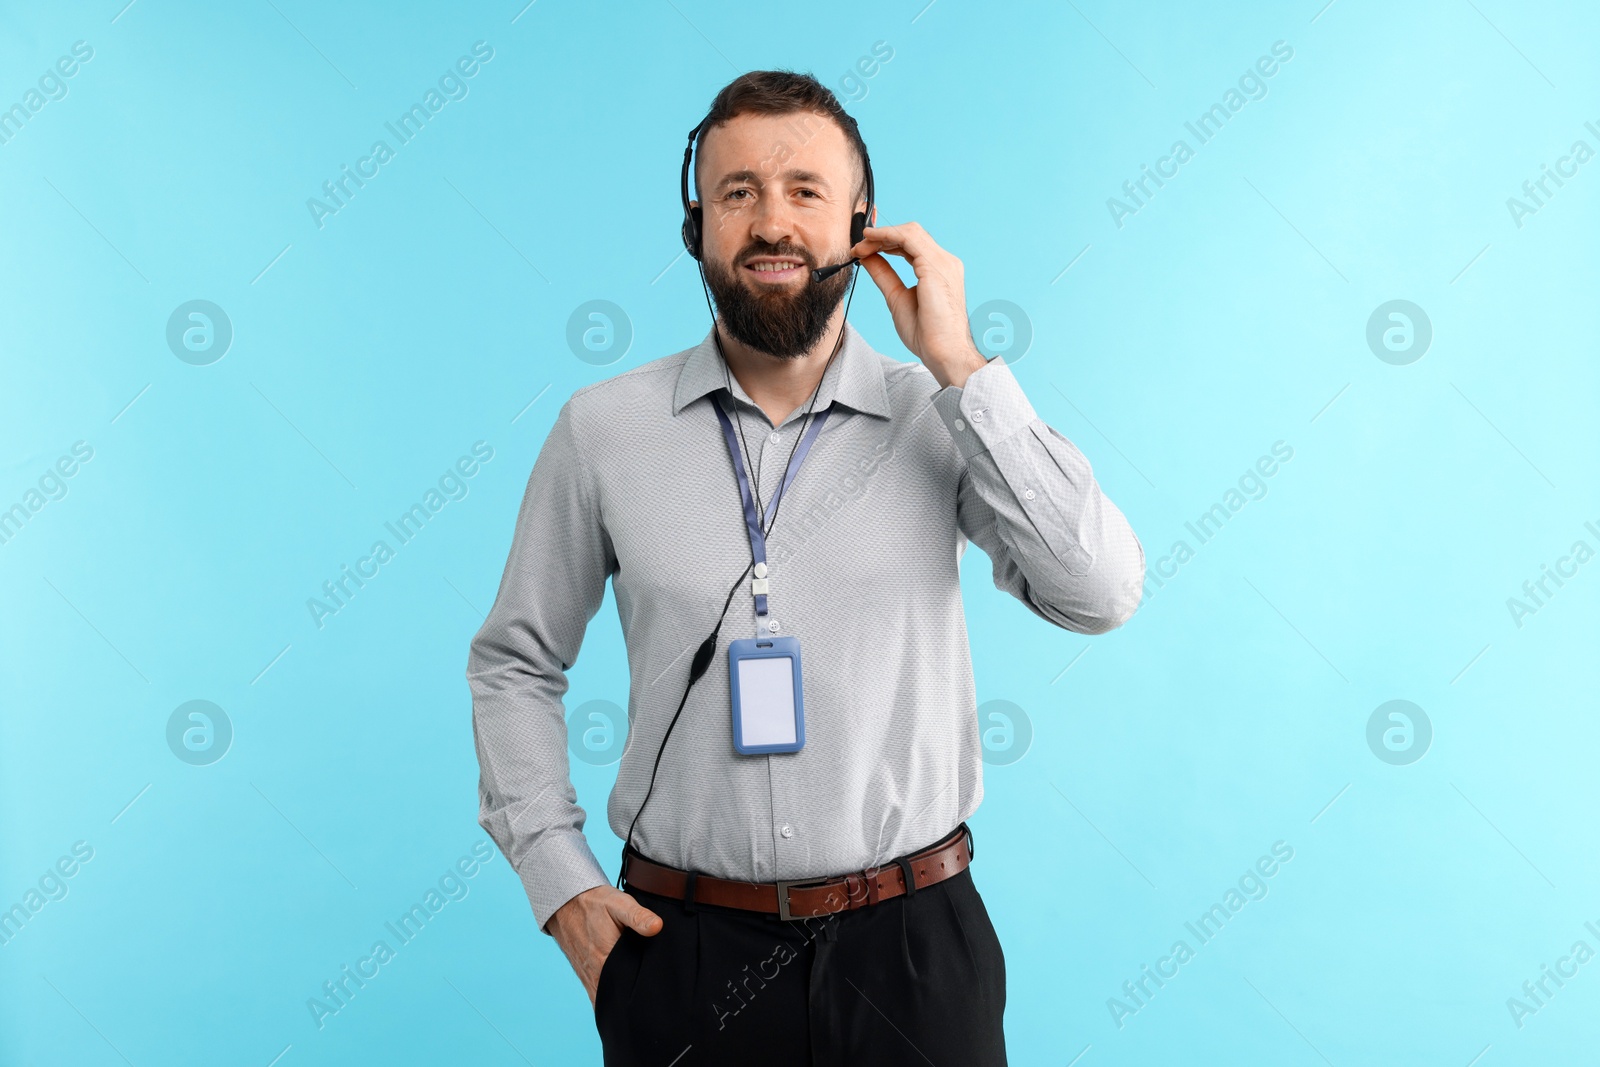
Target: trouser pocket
column 984, row 942
column 608, row 971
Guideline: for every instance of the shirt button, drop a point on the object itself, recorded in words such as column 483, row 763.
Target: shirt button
column 773, row 437
column 786, row 830
column 773, row 625
column 960, row 425
column 1029, row 494
column 977, row 416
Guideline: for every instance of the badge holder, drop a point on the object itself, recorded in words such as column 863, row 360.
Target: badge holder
column 768, row 699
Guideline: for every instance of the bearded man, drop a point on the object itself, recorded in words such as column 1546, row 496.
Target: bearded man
column 795, row 885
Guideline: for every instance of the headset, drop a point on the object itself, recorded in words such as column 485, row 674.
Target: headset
column 692, row 217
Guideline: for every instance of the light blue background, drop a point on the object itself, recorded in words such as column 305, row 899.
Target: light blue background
column 1229, row 313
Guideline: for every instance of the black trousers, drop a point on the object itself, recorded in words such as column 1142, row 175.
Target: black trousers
column 919, row 979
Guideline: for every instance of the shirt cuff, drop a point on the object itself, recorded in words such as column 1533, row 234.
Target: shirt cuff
column 989, row 408
column 557, row 869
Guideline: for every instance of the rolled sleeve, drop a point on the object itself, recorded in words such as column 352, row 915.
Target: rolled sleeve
column 1029, row 499
column 553, row 584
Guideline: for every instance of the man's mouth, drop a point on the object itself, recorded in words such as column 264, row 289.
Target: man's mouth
column 773, row 269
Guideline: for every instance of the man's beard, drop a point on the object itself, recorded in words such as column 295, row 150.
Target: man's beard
column 781, row 323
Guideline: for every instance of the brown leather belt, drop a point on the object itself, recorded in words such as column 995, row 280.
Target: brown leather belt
column 807, row 897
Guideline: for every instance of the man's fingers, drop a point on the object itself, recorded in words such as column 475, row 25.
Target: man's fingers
column 639, row 919
column 623, row 910
column 908, row 239
column 873, row 245
column 647, row 922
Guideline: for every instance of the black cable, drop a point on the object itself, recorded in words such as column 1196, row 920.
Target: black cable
column 708, row 647
column 697, row 667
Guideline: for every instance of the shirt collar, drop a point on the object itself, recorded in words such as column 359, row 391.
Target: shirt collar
column 856, row 383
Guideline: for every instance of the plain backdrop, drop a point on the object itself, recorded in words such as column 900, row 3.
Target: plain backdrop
column 1439, row 860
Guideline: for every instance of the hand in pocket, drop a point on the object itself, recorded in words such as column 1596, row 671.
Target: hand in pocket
column 589, row 926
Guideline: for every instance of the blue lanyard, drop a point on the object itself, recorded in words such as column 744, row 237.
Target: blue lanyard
column 758, row 539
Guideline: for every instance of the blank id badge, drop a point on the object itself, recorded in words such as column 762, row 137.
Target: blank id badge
column 768, row 703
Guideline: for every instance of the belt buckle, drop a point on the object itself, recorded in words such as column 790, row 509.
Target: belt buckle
column 784, row 885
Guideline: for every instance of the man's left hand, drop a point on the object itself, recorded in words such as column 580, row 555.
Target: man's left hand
column 931, row 316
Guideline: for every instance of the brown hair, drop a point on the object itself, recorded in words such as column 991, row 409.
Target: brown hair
column 780, row 92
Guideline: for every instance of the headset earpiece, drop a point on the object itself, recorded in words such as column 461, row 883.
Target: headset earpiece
column 691, row 232
column 691, row 215
column 858, row 221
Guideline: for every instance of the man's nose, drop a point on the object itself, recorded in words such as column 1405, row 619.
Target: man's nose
column 773, row 221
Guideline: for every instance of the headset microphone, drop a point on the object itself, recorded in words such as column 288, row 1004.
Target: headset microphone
column 858, row 232
column 822, row 274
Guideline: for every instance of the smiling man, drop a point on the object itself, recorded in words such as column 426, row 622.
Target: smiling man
column 795, row 787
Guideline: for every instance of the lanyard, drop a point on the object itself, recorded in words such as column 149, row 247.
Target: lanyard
column 752, row 522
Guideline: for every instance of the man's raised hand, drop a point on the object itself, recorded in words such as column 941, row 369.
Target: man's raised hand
column 931, row 316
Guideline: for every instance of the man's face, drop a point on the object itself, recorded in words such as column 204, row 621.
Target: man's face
column 778, row 195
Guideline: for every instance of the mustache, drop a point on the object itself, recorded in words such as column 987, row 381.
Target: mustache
column 784, row 249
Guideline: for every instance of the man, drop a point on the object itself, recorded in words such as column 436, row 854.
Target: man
column 708, row 956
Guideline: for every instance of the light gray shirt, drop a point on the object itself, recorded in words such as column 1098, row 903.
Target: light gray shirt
column 635, row 484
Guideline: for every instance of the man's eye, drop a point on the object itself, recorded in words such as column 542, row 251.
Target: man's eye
column 738, row 194
column 812, row 193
